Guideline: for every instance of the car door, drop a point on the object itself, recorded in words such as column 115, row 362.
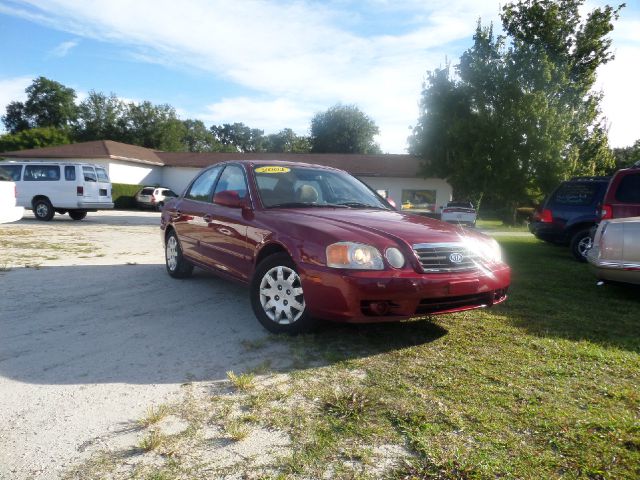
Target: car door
column 188, row 213
column 224, row 244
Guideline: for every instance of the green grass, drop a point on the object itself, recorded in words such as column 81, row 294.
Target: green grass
column 544, row 386
column 499, row 225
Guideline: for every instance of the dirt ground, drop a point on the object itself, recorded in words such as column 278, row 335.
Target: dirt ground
column 93, row 332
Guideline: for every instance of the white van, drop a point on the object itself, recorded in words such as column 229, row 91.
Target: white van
column 60, row 187
column 8, row 210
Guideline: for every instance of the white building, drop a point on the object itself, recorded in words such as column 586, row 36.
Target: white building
column 396, row 176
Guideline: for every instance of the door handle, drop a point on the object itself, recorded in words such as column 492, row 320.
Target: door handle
column 175, row 214
column 207, row 218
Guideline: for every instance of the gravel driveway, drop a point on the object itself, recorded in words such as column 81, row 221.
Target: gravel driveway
column 95, row 331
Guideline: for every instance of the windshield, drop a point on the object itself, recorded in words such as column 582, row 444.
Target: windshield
column 299, row 187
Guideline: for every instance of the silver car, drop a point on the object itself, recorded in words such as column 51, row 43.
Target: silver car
column 615, row 254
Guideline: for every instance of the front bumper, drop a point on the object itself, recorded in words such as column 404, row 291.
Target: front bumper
column 613, row 270
column 351, row 296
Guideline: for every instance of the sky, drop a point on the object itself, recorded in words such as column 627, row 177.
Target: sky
column 273, row 64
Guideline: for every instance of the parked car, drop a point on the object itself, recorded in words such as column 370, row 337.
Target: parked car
column 48, row 188
column 615, row 254
column 462, row 213
column 9, row 212
column 154, row 197
column 314, row 242
column 568, row 214
column 622, row 198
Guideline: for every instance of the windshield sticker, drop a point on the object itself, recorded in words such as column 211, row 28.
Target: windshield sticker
column 273, row 170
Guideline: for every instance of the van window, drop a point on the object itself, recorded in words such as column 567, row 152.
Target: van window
column 102, row 174
column 70, row 172
column 89, row 174
column 41, row 173
column 12, row 172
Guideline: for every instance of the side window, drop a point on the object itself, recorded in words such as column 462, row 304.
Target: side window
column 41, row 173
column 232, row 179
column 102, row 175
column 202, row 187
column 70, row 172
column 89, row 174
column 629, row 189
column 11, row 172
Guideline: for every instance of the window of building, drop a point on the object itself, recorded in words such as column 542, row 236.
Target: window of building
column 419, row 199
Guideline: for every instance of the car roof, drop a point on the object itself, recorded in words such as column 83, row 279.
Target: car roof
column 280, row 163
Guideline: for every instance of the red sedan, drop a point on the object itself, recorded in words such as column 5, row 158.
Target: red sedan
column 314, row 242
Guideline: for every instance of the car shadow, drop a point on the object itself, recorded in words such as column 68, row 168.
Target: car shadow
column 104, row 217
column 134, row 324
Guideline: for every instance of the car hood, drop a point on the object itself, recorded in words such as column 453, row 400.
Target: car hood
column 390, row 223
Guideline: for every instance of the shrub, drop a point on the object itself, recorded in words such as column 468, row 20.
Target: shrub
column 124, row 195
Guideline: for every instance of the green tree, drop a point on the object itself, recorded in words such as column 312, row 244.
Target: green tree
column 153, row 126
column 626, row 156
column 33, row 138
column 100, row 117
column 343, row 129
column 48, row 104
column 286, row 141
column 200, row 139
column 240, row 136
column 520, row 115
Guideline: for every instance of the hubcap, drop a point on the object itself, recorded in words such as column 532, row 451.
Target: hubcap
column 584, row 245
column 281, row 295
column 42, row 210
column 172, row 253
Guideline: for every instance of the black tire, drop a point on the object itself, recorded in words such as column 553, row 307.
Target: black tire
column 77, row 214
column 580, row 244
column 43, row 210
column 180, row 268
column 298, row 320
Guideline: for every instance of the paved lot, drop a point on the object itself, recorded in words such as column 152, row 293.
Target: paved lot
column 89, row 341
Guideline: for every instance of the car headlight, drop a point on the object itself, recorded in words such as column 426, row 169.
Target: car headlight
column 394, row 257
column 354, row 255
column 489, row 250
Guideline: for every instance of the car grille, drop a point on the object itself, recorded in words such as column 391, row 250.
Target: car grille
column 438, row 257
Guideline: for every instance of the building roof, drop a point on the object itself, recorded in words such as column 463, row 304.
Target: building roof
column 88, row 150
column 388, row 165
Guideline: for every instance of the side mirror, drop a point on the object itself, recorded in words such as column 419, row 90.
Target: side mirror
column 229, row 198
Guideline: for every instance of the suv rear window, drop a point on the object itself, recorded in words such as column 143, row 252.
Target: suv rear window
column 574, row 193
column 147, row 191
column 629, row 189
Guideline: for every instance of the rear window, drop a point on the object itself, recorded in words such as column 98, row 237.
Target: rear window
column 41, row 173
column 10, row 172
column 460, row 204
column 629, row 189
column 89, row 174
column 576, row 194
column 147, row 191
column 169, row 193
column 102, row 174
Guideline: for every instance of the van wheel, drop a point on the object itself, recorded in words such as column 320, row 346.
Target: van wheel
column 580, row 244
column 277, row 298
column 43, row 210
column 177, row 266
column 77, row 214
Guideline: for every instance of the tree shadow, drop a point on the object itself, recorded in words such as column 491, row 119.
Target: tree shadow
column 134, row 324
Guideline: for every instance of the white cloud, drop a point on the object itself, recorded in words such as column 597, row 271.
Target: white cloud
column 12, row 89
column 63, row 49
column 298, row 56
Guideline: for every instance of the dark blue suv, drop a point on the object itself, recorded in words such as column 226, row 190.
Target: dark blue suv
column 568, row 214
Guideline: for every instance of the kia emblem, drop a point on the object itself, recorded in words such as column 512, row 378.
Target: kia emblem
column 456, row 257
